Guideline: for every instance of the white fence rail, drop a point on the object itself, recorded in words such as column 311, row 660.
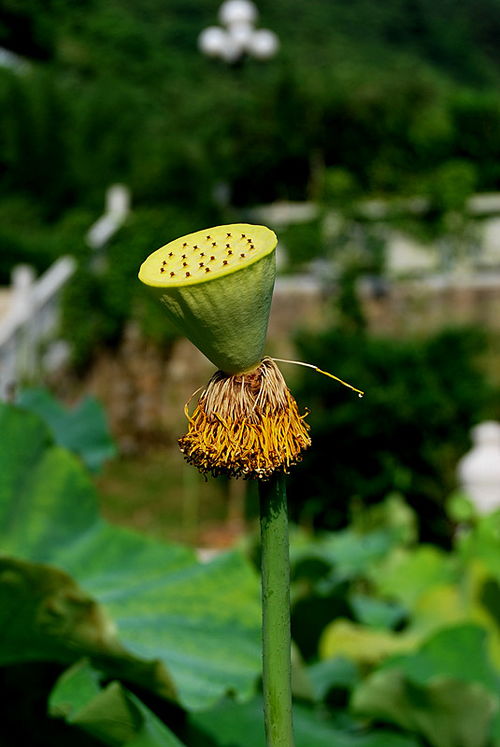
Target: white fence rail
column 29, row 344
column 28, row 331
column 117, row 208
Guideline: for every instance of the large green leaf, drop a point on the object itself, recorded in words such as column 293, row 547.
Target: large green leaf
column 482, row 542
column 459, row 652
column 354, row 551
column 199, row 623
column 81, row 429
column 235, row 725
column 112, row 714
column 447, row 712
column 448, row 690
column 376, row 613
column 362, row 644
column 407, row 574
column 338, row 672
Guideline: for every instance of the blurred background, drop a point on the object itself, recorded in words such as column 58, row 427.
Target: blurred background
column 366, row 134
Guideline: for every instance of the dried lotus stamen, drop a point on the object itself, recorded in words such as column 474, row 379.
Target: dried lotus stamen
column 246, row 425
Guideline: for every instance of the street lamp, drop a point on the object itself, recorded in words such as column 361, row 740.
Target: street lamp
column 237, row 36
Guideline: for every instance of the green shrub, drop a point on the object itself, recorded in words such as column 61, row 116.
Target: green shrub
column 303, row 242
column 422, row 397
column 26, row 239
column 131, row 640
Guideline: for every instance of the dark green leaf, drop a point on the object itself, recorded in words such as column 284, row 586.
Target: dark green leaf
column 458, row 652
column 349, row 552
column 81, row 429
column 483, row 542
column 406, row 574
column 333, row 673
column 446, row 712
column 376, row 613
column 113, row 714
column 173, row 619
column 232, row 725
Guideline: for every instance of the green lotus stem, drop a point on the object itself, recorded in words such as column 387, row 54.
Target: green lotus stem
column 276, row 639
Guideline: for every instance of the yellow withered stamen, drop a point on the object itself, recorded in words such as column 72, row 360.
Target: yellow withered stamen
column 246, row 425
column 360, row 393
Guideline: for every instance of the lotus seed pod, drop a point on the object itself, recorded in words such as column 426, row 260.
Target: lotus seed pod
column 216, row 286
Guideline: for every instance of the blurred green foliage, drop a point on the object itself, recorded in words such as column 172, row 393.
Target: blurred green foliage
column 133, row 641
column 79, row 698
column 422, row 397
column 302, row 242
column 69, row 581
column 26, row 237
column 117, row 91
column 81, row 429
column 407, row 633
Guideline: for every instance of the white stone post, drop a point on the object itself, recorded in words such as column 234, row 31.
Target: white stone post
column 117, row 208
column 479, row 469
column 23, row 305
column 23, row 278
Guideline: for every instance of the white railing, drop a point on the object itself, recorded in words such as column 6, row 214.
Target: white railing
column 28, row 331
column 117, row 208
column 29, row 343
column 473, row 248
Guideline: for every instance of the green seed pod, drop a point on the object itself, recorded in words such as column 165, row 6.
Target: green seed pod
column 216, row 286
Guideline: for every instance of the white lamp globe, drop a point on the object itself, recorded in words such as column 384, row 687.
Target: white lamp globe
column 232, row 50
column 237, row 11
column 263, row 44
column 212, row 41
column 242, row 34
